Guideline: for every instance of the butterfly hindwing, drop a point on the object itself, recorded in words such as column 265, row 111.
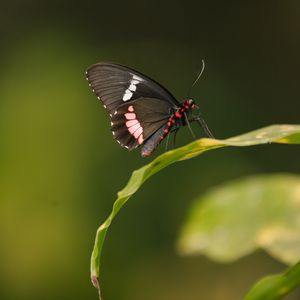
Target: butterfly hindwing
column 136, row 121
column 115, row 85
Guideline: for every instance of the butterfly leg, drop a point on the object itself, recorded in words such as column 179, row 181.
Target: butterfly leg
column 174, row 138
column 204, row 126
column 189, row 125
column 167, row 142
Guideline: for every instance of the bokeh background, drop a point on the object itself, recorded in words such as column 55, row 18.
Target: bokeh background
column 60, row 168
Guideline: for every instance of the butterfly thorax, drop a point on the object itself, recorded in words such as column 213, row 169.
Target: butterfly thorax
column 184, row 110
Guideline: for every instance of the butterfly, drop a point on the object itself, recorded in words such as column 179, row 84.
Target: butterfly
column 142, row 111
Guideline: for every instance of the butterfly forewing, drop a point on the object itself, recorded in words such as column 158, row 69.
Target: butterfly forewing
column 115, row 85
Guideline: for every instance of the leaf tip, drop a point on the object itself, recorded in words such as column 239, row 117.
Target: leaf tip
column 95, row 282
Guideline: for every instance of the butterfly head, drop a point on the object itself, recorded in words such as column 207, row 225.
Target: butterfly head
column 193, row 107
column 191, row 104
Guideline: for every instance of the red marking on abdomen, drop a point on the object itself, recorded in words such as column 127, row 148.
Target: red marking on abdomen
column 172, row 120
column 178, row 114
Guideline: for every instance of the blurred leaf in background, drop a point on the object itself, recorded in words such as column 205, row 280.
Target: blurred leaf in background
column 44, row 164
column 236, row 218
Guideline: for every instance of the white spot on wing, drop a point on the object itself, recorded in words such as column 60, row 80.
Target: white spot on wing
column 132, row 87
column 134, row 81
column 137, row 78
column 127, row 95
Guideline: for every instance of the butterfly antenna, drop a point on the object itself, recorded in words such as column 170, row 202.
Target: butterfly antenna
column 195, row 81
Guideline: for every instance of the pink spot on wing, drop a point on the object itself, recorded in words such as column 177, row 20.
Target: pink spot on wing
column 130, row 116
column 132, row 123
column 138, row 132
column 130, row 108
column 134, row 128
column 141, row 139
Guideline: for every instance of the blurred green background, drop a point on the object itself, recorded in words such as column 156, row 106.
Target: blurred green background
column 61, row 168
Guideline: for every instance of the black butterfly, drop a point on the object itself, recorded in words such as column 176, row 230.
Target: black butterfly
column 142, row 111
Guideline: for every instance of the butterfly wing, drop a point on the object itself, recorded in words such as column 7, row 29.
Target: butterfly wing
column 135, row 122
column 115, row 85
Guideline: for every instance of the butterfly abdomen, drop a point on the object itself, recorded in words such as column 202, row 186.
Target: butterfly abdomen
column 151, row 144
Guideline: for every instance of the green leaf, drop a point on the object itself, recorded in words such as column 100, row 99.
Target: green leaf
column 236, row 218
column 276, row 286
column 275, row 133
